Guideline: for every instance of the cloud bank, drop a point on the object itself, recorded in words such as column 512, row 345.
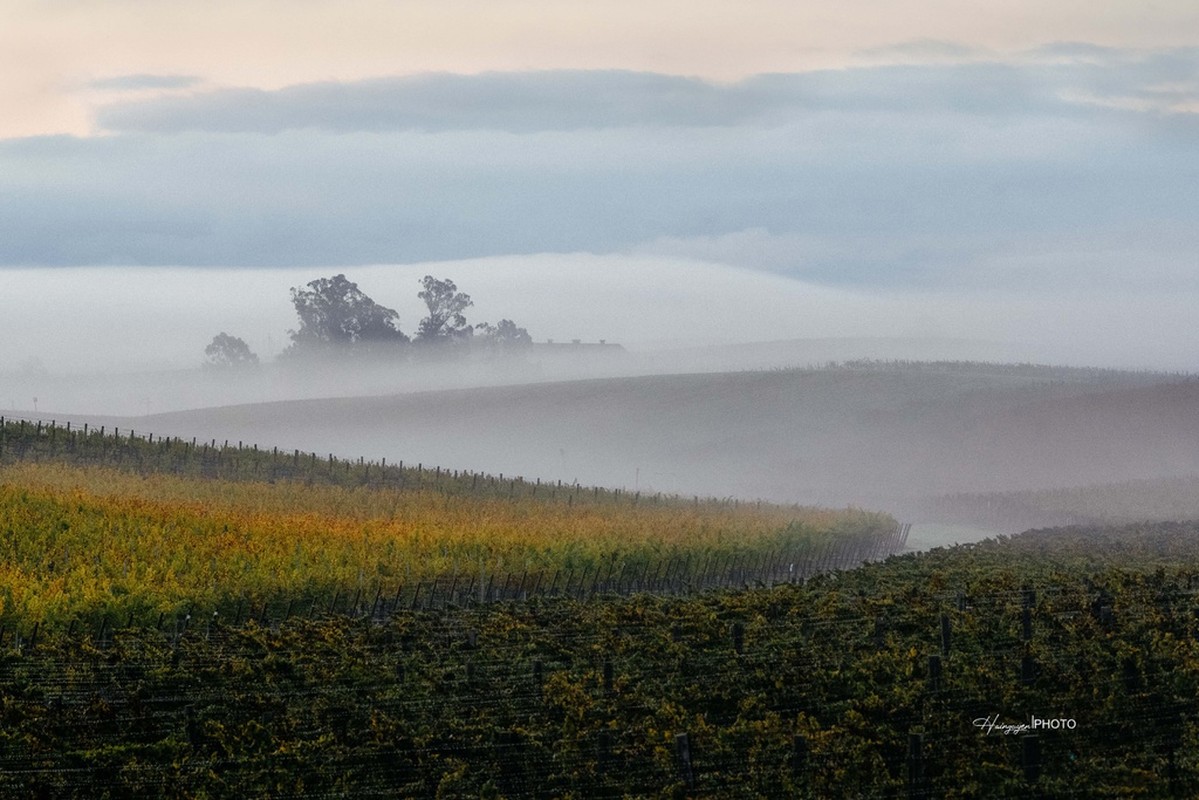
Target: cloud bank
column 109, row 320
column 1048, row 82
column 1072, row 166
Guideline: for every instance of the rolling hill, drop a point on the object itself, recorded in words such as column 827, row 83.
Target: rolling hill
column 868, row 434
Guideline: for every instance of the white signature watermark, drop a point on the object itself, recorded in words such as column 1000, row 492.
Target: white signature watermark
column 992, row 724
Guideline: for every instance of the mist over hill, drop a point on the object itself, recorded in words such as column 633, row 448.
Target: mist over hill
column 869, row 434
column 127, row 394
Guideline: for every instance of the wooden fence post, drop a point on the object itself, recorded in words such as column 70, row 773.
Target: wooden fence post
column 799, row 754
column 682, row 745
column 1030, row 757
column 916, row 781
column 603, row 753
column 1028, row 670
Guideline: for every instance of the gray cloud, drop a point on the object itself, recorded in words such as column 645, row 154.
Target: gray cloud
column 901, row 176
column 1077, row 51
column 517, row 102
column 144, row 81
column 884, row 201
column 1049, row 81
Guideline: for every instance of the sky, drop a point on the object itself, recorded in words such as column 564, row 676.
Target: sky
column 938, row 155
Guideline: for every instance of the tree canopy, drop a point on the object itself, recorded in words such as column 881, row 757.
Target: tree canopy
column 229, row 352
column 504, row 337
column 338, row 319
column 335, row 315
column 446, row 304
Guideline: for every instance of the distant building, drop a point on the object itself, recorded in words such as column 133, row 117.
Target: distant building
column 602, row 346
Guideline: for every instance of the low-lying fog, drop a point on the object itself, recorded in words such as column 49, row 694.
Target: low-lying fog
column 64, row 323
column 86, row 343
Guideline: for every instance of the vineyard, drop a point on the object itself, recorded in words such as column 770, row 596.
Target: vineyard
column 187, row 619
column 875, row 682
column 98, row 524
column 1161, row 500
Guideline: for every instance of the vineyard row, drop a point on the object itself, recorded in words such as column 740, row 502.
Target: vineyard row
column 30, row 440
